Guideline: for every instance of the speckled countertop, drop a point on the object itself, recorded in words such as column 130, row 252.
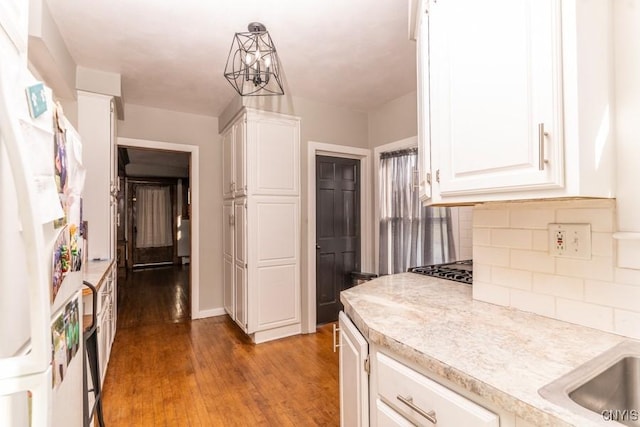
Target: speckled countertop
column 502, row 354
column 94, row 271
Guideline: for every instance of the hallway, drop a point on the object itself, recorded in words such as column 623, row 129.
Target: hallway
column 166, row 370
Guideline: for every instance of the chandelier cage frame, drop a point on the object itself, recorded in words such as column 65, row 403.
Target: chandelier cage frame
column 253, row 66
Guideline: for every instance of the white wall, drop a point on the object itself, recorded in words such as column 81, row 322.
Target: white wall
column 393, row 121
column 182, row 128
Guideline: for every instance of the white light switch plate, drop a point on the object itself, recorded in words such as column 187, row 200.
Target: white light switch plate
column 570, row 240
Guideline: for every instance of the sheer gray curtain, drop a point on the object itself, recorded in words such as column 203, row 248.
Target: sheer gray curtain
column 410, row 234
column 153, row 217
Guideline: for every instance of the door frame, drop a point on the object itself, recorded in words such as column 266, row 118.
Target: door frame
column 366, row 220
column 194, row 185
column 402, row 144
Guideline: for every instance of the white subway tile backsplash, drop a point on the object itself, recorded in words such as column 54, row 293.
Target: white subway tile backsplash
column 540, row 240
column 531, row 218
column 612, row 294
column 511, row 238
column 535, row 303
column 560, row 286
column 532, row 261
column 488, row 292
column 601, row 220
column 598, row 268
column 518, row 279
column 602, row 244
column 490, row 218
column 582, row 313
column 627, row 323
column 481, row 273
column 481, row 236
column 491, row 256
column 513, row 267
column 627, row 276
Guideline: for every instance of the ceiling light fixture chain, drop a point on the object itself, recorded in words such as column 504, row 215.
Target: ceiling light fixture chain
column 253, row 66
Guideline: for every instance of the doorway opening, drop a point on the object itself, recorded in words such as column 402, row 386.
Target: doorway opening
column 337, row 232
column 157, row 225
column 363, row 155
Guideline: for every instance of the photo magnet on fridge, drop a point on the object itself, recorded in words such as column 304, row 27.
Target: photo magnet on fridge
column 37, row 100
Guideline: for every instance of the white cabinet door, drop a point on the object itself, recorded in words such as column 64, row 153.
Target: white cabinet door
column 227, row 164
column 228, row 253
column 424, row 152
column 240, row 263
column 354, row 379
column 96, row 128
column 240, row 158
column 273, row 150
column 496, row 104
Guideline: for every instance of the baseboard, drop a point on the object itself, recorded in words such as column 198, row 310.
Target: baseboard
column 276, row 333
column 209, row 313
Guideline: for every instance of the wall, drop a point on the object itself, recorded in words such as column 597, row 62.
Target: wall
column 182, row 128
column 393, row 121
column 512, row 265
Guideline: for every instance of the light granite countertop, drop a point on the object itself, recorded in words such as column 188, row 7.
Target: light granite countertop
column 501, row 354
column 94, row 271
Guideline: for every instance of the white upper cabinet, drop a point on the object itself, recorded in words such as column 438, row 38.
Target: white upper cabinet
column 517, row 100
column 234, row 143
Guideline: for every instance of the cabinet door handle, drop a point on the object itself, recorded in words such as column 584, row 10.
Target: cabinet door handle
column 541, row 135
column 335, row 338
column 430, row 415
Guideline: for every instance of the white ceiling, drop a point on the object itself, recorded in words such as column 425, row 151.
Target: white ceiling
column 171, row 53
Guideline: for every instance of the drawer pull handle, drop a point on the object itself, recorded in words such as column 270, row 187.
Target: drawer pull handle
column 336, row 332
column 430, row 416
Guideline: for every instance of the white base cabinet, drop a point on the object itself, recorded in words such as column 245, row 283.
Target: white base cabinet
column 382, row 389
column 515, row 100
column 261, row 224
column 421, row 401
column 354, row 375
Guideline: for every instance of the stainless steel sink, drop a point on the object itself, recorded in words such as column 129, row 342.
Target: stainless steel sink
column 604, row 389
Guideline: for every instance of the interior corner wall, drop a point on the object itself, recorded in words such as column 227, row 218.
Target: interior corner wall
column 182, row 128
column 393, row 121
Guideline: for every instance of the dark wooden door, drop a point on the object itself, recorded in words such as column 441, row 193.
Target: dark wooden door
column 337, row 232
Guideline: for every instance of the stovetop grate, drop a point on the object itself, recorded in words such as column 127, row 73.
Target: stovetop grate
column 460, row 271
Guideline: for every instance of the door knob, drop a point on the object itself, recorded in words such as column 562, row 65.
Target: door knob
column 317, row 246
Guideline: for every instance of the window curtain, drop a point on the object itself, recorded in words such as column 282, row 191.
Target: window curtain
column 153, row 217
column 410, row 234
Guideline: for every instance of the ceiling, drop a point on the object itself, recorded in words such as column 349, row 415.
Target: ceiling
column 140, row 162
column 171, row 53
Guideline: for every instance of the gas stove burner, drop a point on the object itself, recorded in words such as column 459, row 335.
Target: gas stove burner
column 460, row 271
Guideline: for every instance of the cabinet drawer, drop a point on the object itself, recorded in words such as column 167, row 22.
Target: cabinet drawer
column 396, row 381
column 389, row 417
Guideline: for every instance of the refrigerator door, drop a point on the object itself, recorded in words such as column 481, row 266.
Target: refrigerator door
column 28, row 227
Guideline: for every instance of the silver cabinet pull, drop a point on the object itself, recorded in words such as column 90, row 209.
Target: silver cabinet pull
column 335, row 338
column 541, row 135
column 430, row 416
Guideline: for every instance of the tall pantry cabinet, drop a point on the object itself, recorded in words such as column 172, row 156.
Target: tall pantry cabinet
column 261, row 223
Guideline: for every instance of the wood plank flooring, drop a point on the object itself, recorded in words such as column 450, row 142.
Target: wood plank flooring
column 170, row 371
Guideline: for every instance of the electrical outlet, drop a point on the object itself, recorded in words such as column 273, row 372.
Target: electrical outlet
column 570, row 240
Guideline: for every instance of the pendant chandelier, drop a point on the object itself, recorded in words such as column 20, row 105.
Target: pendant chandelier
column 253, row 66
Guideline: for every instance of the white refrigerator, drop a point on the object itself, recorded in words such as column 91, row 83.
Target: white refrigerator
column 41, row 346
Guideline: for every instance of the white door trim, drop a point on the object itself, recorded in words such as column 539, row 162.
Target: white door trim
column 366, row 230
column 194, row 183
column 392, row 146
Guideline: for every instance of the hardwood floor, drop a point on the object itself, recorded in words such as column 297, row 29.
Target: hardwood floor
column 166, row 370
